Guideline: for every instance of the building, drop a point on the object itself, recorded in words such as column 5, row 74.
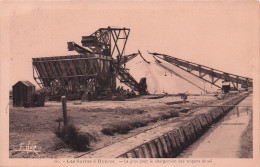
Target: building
column 23, row 92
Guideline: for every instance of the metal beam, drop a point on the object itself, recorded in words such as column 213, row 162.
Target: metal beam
column 204, row 70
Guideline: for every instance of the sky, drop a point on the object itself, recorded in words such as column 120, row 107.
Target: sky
column 218, row 34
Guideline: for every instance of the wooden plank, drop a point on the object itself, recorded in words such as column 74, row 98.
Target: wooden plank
column 44, row 71
column 69, row 59
column 56, row 69
column 72, row 67
column 47, row 70
column 71, row 76
column 94, row 66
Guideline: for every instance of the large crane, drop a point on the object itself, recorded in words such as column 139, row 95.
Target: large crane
column 99, row 62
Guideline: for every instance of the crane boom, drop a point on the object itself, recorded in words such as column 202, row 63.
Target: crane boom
column 203, row 71
column 72, row 46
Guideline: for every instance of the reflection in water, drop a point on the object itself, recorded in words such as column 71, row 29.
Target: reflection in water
column 222, row 140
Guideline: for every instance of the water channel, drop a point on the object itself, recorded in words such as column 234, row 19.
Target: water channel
column 222, row 140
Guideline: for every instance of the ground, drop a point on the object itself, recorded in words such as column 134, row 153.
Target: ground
column 36, row 126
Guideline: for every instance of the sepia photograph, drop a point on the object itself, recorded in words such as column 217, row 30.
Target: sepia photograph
column 109, row 82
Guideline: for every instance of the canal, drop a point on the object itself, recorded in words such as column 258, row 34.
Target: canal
column 222, row 140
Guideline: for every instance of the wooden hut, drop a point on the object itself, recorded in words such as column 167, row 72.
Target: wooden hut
column 23, row 92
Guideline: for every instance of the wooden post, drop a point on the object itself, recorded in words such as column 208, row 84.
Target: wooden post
column 64, row 110
column 237, row 112
column 184, row 98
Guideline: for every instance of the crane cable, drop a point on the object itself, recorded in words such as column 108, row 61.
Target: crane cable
column 166, row 68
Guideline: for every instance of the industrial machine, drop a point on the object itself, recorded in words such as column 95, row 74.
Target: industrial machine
column 93, row 71
column 205, row 73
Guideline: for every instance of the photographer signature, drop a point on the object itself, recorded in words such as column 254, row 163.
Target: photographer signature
column 29, row 148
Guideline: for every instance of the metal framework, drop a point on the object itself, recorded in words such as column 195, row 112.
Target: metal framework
column 95, row 69
column 201, row 71
column 77, row 72
column 127, row 79
column 106, row 41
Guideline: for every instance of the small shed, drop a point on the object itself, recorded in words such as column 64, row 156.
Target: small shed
column 23, row 92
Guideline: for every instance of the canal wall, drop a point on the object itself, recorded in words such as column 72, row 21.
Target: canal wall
column 171, row 143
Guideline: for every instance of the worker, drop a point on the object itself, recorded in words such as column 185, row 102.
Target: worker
column 128, row 93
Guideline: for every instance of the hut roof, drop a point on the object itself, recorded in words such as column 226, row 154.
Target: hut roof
column 26, row 83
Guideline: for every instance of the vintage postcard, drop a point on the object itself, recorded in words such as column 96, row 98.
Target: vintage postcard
column 129, row 83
